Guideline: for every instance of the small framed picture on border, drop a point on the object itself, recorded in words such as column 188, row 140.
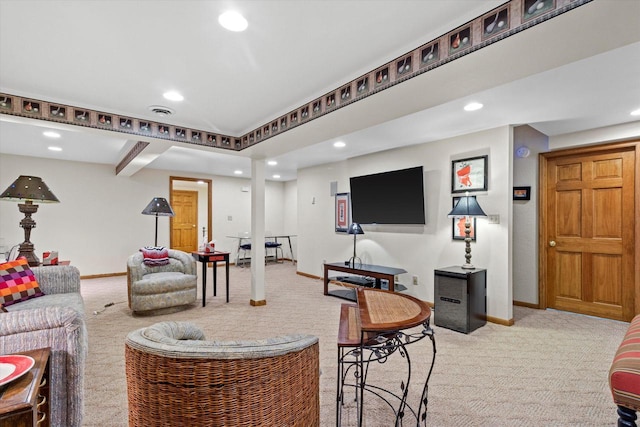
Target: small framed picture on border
column 521, row 193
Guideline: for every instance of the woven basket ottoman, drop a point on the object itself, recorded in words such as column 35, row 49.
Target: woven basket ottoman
column 177, row 378
column 624, row 376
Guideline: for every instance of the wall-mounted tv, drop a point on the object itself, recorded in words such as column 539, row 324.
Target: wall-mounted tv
column 395, row 197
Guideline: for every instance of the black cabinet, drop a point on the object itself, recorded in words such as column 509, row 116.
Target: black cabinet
column 460, row 298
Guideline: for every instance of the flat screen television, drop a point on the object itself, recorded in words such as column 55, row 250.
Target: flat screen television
column 395, row 197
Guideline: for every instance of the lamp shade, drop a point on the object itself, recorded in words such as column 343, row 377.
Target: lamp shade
column 158, row 206
column 467, row 206
column 29, row 188
column 355, row 228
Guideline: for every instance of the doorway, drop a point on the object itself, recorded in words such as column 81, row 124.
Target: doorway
column 191, row 199
column 589, row 229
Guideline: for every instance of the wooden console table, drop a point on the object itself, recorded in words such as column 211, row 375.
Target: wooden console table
column 25, row 401
column 379, row 272
column 372, row 331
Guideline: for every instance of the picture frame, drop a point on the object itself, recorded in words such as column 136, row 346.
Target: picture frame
column 469, row 174
column 522, row 193
column 457, row 225
column 342, row 212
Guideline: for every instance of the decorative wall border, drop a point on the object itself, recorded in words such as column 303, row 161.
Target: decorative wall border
column 499, row 23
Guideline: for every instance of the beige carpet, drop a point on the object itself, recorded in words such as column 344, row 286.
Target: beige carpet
column 549, row 369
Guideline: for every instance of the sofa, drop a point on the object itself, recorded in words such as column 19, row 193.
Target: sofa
column 156, row 287
column 177, row 377
column 55, row 320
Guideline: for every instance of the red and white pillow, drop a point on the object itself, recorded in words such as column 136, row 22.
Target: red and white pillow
column 154, row 256
column 17, row 282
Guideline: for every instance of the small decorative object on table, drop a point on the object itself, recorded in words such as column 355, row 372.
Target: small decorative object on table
column 50, row 258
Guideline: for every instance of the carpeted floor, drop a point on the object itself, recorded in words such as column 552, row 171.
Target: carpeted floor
column 549, row 369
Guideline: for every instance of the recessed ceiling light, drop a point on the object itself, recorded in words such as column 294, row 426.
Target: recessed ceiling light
column 636, row 112
column 51, row 134
column 233, row 21
column 276, row 176
column 238, row 172
column 339, row 144
column 272, row 163
column 52, row 148
column 472, row 106
column 173, row 96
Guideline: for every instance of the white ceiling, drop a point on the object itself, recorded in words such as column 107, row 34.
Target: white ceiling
column 577, row 71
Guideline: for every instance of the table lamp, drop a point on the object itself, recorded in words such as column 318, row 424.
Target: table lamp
column 158, row 206
column 354, row 229
column 28, row 189
column 467, row 207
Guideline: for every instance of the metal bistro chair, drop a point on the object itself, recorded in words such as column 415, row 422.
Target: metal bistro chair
column 243, row 247
column 275, row 245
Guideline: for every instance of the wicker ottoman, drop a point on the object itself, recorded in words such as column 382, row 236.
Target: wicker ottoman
column 175, row 377
column 624, row 375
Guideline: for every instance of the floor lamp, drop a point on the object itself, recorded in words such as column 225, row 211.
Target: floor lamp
column 28, row 189
column 354, row 229
column 158, row 206
column 467, row 207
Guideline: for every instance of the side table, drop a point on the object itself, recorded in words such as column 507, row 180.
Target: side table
column 214, row 257
column 25, row 401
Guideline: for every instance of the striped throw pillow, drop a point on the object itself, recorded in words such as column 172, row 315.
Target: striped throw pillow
column 17, row 282
column 155, row 255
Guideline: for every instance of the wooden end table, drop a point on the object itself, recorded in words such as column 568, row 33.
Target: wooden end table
column 25, row 401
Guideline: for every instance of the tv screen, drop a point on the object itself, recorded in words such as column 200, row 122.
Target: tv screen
column 395, row 197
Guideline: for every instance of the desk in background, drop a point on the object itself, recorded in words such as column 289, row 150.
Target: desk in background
column 267, row 237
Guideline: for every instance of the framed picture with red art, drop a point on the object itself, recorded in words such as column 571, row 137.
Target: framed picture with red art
column 457, row 225
column 343, row 212
column 469, row 174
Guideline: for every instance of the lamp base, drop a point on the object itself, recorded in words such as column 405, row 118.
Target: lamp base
column 26, row 250
column 468, row 266
column 352, row 261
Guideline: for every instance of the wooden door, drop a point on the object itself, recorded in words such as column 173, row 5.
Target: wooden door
column 587, row 235
column 184, row 224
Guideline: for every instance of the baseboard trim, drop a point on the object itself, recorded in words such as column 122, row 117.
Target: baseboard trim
column 312, row 276
column 526, row 304
column 258, row 303
column 499, row 321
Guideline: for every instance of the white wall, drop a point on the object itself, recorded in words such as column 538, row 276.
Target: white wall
column 417, row 249
column 525, row 215
column 98, row 223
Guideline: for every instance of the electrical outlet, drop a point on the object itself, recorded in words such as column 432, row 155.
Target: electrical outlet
column 493, row 219
column 229, row 218
column 415, row 280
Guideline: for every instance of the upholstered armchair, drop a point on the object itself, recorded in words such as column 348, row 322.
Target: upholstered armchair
column 176, row 377
column 153, row 287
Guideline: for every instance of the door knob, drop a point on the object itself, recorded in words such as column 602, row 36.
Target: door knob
column 552, row 243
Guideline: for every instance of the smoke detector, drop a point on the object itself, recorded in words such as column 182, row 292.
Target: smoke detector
column 161, row 111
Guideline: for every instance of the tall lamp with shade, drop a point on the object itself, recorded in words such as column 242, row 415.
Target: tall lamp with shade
column 354, row 229
column 158, row 206
column 28, row 189
column 468, row 208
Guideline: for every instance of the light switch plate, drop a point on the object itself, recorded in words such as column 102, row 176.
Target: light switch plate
column 494, row 219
